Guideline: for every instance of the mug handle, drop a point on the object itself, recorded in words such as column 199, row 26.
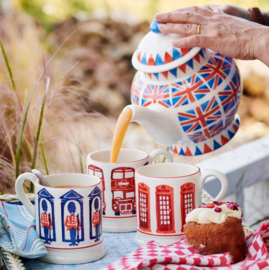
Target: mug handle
column 223, row 179
column 20, row 192
column 158, row 152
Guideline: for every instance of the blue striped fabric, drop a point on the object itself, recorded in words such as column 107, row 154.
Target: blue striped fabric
column 17, row 232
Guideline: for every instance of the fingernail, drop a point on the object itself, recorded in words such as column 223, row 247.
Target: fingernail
column 158, row 15
column 175, row 43
column 162, row 26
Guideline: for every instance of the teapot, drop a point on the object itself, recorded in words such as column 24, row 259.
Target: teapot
column 184, row 97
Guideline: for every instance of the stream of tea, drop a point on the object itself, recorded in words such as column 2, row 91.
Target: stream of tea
column 119, row 133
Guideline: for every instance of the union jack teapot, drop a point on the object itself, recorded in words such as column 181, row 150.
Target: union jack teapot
column 187, row 97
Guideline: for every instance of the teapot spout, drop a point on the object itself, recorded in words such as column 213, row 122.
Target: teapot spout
column 162, row 125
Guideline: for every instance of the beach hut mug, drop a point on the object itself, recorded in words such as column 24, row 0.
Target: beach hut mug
column 68, row 216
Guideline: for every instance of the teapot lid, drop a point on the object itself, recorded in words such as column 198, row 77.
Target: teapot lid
column 155, row 52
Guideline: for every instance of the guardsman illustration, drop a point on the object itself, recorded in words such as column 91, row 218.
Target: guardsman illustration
column 46, row 222
column 72, row 223
column 95, row 217
column 96, row 220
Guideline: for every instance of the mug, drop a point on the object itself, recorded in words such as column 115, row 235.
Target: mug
column 165, row 194
column 69, row 218
column 118, row 179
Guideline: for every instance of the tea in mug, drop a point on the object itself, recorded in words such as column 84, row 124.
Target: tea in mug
column 71, row 187
column 65, row 186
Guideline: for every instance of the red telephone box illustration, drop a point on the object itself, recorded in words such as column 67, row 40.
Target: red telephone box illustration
column 187, row 194
column 123, row 191
column 165, row 209
column 96, row 171
column 144, row 207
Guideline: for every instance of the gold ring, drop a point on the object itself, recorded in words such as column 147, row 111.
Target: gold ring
column 198, row 32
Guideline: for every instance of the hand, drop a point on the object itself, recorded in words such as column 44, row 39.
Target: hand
column 231, row 10
column 228, row 35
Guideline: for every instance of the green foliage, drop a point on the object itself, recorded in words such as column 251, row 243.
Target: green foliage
column 18, row 151
column 7, row 65
column 6, row 167
column 259, row 221
column 21, row 145
column 44, row 158
column 34, row 9
column 141, row 9
column 49, row 12
column 80, row 157
column 17, row 159
column 40, row 124
column 167, row 149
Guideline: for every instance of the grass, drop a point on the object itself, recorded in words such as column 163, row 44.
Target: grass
column 45, row 128
column 38, row 128
column 40, row 125
column 20, row 138
column 80, row 157
column 7, row 65
column 44, row 158
column 164, row 158
column 17, row 158
column 266, row 218
column 25, row 145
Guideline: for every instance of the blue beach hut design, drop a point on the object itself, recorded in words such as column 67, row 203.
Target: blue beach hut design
column 95, row 203
column 72, row 218
column 46, row 216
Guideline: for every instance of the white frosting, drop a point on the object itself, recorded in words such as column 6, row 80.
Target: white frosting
column 208, row 215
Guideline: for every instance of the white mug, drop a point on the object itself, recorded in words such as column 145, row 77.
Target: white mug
column 165, row 194
column 119, row 204
column 68, row 219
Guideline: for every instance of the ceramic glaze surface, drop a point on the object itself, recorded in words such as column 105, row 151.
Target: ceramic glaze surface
column 197, row 90
column 164, row 201
column 67, row 219
column 118, row 185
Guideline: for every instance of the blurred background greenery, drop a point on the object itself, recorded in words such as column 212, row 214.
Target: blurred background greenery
column 85, row 47
column 51, row 11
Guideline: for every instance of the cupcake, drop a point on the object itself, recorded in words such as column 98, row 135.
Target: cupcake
column 217, row 228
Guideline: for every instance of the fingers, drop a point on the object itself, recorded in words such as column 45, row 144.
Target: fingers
column 201, row 10
column 180, row 29
column 181, row 17
column 214, row 8
column 193, row 41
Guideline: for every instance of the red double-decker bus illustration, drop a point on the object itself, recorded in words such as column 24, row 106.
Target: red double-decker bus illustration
column 123, row 191
column 96, row 171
